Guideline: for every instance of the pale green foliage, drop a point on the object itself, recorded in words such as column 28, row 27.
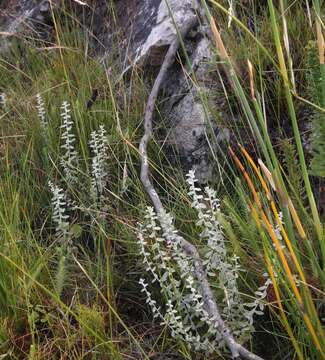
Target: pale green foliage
column 59, row 216
column 69, row 159
column 169, row 265
column 42, row 113
column 63, row 236
column 99, row 147
column 65, row 201
column 3, row 99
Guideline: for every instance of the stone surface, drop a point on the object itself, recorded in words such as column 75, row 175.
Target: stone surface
column 160, row 30
column 17, row 16
column 145, row 29
column 187, row 115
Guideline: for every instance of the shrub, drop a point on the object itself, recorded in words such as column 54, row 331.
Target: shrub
column 173, row 269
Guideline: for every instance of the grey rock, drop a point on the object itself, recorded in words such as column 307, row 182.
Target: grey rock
column 162, row 31
column 193, row 128
column 190, row 127
column 146, row 29
column 21, row 16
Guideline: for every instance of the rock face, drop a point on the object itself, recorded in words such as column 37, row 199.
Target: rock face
column 15, row 16
column 193, row 129
column 159, row 30
column 146, row 29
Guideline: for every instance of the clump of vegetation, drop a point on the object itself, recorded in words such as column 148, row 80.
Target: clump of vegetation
column 173, row 269
column 71, row 201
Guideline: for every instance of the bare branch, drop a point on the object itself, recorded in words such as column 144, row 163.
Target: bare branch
column 211, row 307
